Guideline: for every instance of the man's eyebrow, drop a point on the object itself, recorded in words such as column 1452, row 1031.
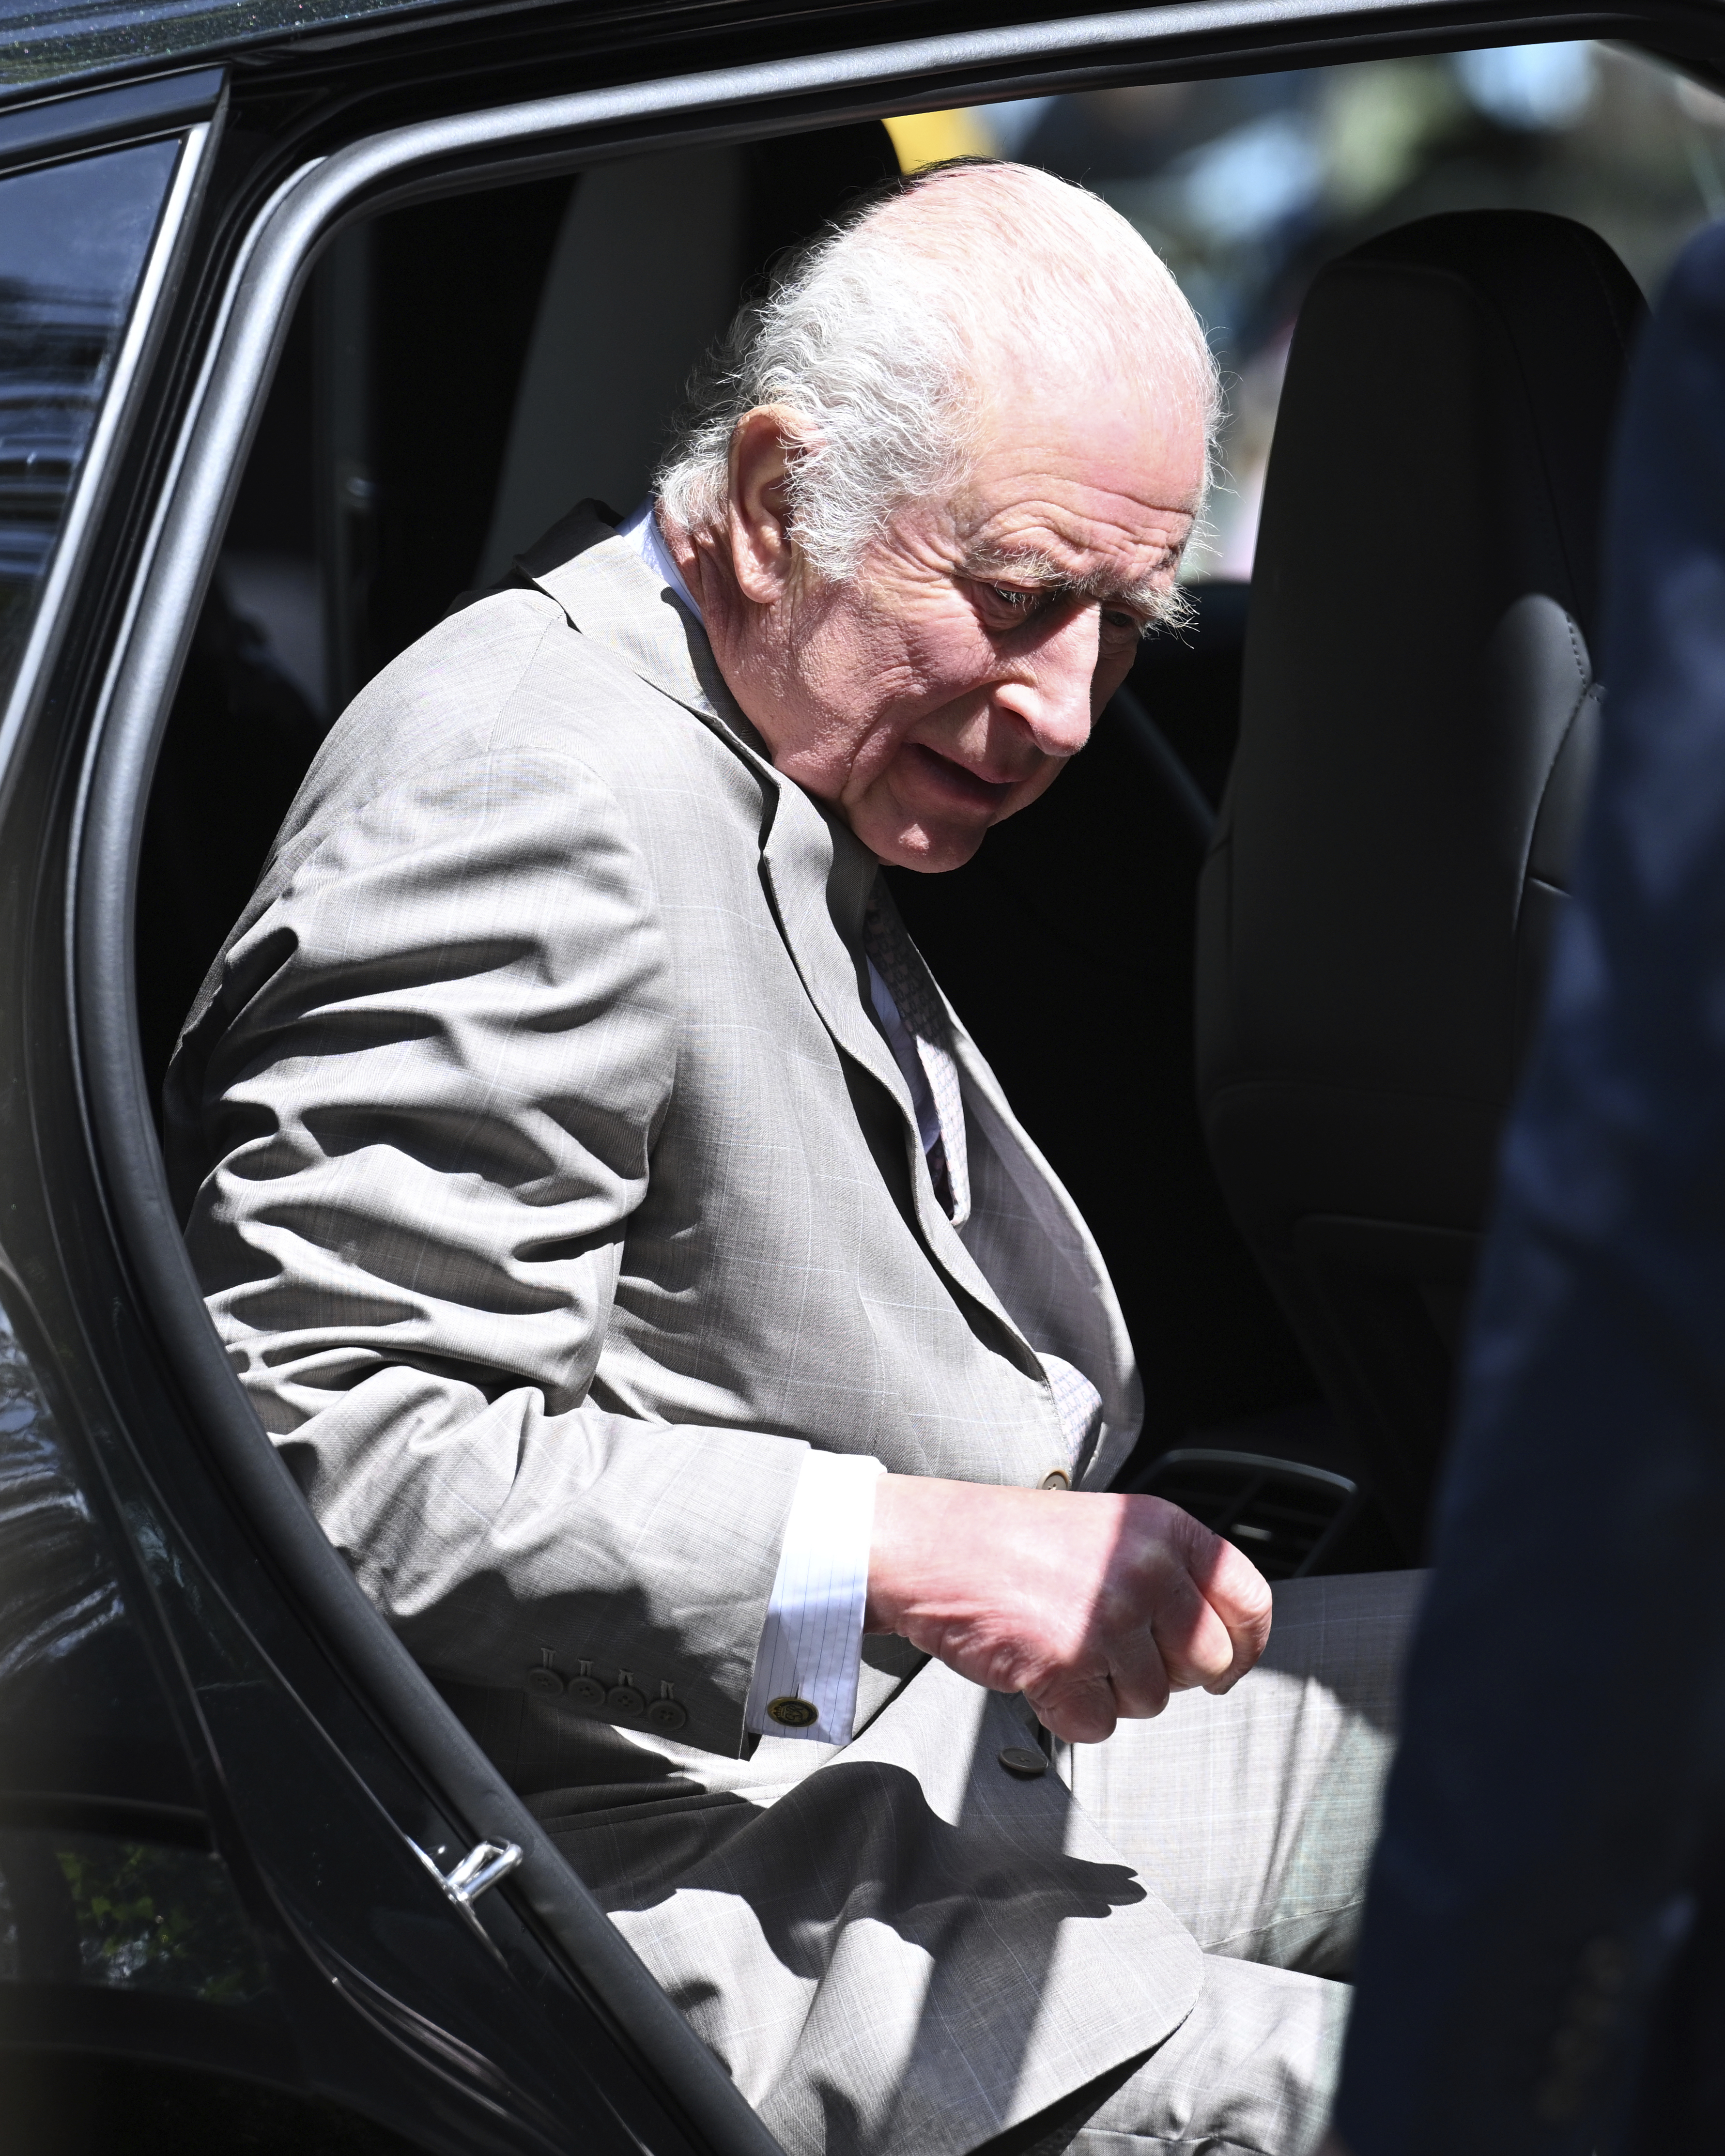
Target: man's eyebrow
column 1029, row 565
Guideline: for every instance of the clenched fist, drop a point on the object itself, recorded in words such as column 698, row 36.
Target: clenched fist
column 1093, row 1606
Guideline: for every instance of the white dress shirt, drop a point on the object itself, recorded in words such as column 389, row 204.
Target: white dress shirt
column 642, row 532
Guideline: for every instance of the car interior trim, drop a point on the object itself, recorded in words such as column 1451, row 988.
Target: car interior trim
column 412, row 162
column 1172, row 777
column 131, row 113
column 127, row 1819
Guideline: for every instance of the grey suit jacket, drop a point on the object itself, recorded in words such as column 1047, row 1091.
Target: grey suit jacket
column 553, row 1190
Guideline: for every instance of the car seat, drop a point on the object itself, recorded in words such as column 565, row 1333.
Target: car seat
column 1418, row 713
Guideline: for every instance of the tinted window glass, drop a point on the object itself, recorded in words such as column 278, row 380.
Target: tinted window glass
column 1247, row 185
column 73, row 242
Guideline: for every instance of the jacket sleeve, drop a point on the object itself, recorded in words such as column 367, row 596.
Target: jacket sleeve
column 427, row 1077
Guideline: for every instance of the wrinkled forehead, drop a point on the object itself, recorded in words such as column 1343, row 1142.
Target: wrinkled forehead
column 1065, row 378
column 1088, row 435
column 1080, row 483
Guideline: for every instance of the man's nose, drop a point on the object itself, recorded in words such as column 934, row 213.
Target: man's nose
column 1053, row 696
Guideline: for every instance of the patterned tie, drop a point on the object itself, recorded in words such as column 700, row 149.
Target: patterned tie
column 900, row 965
column 895, row 958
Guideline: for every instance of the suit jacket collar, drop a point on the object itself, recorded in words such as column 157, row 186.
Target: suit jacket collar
column 818, row 874
column 609, row 594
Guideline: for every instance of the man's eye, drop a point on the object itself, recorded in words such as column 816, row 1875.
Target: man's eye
column 1126, row 624
column 1014, row 600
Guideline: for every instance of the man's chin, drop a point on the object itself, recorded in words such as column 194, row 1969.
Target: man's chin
column 930, row 849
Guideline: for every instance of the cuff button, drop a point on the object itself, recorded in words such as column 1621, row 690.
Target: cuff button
column 1056, row 1478
column 793, row 1713
column 624, row 1699
column 1020, row 1760
column 667, row 1714
column 545, row 1683
column 587, row 1691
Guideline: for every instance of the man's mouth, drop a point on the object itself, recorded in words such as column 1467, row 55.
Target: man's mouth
column 960, row 785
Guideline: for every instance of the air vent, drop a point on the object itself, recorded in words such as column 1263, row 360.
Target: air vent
column 1285, row 1516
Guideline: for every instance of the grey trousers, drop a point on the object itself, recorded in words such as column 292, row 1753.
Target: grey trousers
column 1254, row 1817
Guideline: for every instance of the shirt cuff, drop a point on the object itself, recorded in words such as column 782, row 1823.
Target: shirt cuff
column 811, row 1644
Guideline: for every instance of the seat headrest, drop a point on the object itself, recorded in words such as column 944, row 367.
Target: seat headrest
column 1416, row 721
column 1533, row 314
column 1415, row 714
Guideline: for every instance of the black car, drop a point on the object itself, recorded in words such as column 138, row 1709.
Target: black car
column 309, row 309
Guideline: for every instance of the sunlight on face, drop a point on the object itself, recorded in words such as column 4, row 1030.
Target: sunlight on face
column 941, row 688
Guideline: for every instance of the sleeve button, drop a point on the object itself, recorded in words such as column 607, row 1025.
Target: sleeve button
column 624, row 1699
column 545, row 1683
column 587, row 1691
column 1020, row 1760
column 668, row 1714
column 1057, row 1478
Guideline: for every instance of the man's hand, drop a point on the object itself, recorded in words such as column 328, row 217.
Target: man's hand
column 1093, row 1606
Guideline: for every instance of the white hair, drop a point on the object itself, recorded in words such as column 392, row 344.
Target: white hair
column 871, row 340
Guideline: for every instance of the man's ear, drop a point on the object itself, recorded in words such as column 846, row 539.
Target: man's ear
column 761, row 549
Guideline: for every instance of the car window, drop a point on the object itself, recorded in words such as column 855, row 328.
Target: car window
column 460, row 373
column 1247, row 185
column 74, row 240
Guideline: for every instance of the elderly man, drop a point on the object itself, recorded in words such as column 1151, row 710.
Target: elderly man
column 664, row 1312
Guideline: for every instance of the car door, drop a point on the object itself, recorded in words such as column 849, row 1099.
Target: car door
column 335, row 1902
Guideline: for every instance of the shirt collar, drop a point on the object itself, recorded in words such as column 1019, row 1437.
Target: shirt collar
column 609, row 592
column 641, row 531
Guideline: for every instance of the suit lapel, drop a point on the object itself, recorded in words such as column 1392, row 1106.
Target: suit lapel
column 1104, row 1348
column 817, row 875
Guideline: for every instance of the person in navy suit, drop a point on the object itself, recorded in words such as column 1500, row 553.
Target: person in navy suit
column 1540, row 1956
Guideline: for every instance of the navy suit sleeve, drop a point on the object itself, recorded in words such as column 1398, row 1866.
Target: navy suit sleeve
column 1565, row 1705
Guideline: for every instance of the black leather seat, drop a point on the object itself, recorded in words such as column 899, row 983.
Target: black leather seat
column 1418, row 719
